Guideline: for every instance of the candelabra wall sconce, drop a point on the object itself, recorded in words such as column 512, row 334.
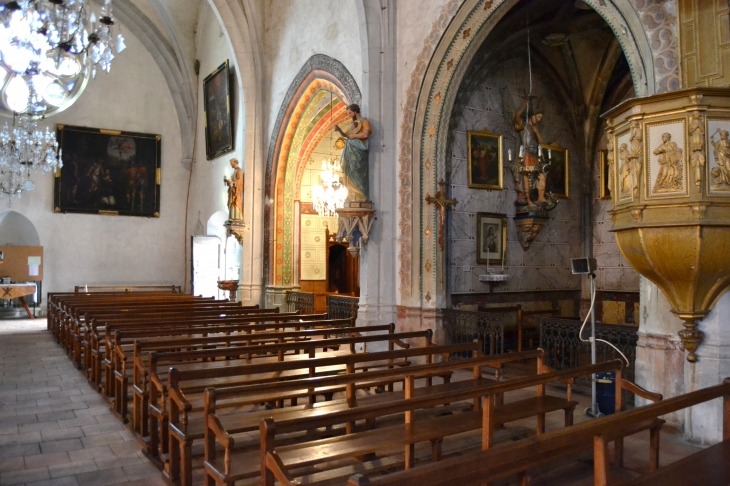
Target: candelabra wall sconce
column 530, row 173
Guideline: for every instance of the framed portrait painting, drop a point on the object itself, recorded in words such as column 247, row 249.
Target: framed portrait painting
column 218, row 118
column 108, row 172
column 605, row 192
column 558, row 175
column 485, row 160
column 491, row 237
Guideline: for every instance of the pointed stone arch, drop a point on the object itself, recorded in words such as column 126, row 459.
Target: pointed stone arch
column 300, row 125
column 453, row 42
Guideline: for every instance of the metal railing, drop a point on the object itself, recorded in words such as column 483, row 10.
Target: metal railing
column 300, row 301
column 563, row 348
column 465, row 326
column 342, row 307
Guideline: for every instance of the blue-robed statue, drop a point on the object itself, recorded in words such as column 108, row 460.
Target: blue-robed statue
column 354, row 159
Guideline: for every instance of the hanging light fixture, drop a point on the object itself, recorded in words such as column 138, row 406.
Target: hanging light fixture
column 330, row 193
column 52, row 43
column 25, row 149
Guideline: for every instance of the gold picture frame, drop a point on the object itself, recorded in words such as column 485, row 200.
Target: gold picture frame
column 484, row 159
column 491, row 237
column 557, row 181
column 604, row 177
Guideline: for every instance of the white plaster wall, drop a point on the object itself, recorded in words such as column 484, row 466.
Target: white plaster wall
column 295, row 31
column 415, row 21
column 92, row 249
column 208, row 194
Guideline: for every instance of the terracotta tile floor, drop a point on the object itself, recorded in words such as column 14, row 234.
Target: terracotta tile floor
column 56, row 430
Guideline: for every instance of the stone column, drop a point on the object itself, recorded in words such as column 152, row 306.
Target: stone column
column 378, row 258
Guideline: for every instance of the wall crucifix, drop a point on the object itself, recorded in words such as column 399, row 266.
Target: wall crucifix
column 442, row 203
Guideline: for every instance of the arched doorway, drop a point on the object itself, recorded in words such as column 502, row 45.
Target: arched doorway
column 18, row 239
column 295, row 241
column 424, row 149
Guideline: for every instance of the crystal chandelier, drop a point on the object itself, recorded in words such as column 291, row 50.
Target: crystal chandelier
column 51, row 41
column 330, row 194
column 24, row 150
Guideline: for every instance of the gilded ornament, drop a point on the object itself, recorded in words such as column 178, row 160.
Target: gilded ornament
column 697, row 146
column 678, row 241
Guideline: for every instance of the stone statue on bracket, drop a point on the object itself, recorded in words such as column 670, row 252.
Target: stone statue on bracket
column 354, row 161
column 235, row 192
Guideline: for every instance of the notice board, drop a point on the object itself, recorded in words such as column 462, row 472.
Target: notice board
column 22, row 263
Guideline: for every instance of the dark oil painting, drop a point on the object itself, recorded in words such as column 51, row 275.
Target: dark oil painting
column 108, row 172
column 218, row 120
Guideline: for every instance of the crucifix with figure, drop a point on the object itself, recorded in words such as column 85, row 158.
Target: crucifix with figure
column 442, row 203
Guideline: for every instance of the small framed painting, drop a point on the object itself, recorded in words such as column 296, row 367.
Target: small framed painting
column 485, row 160
column 491, row 237
column 558, row 173
column 218, row 119
column 605, row 192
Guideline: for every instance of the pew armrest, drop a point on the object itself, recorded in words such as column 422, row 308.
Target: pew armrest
column 640, row 392
column 215, row 427
column 400, row 343
column 276, row 466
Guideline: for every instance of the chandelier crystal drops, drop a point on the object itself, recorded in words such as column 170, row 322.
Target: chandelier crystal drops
column 51, row 41
column 331, row 193
column 25, row 150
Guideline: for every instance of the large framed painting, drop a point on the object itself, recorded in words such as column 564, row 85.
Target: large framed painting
column 108, row 172
column 605, row 188
column 485, row 160
column 491, row 237
column 558, row 174
column 218, row 120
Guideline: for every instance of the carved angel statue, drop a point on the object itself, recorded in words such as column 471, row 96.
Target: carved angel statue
column 610, row 160
column 625, row 181
column 531, row 167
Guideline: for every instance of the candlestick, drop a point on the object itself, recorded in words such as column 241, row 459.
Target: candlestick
column 509, row 155
column 522, row 151
column 550, row 153
column 539, row 150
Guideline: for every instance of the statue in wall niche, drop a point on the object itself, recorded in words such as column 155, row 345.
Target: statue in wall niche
column 669, row 178
column 235, row 192
column 354, row 161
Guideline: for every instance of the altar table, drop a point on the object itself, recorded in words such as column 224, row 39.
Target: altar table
column 18, row 291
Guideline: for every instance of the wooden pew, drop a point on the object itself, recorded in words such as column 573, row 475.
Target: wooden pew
column 146, row 361
column 184, row 429
column 101, row 350
column 60, row 305
column 278, row 462
column 91, row 353
column 225, row 336
column 711, row 466
column 224, row 428
column 76, row 328
column 175, row 289
column 191, row 379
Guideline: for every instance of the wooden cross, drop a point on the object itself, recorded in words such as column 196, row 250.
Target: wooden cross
column 442, row 204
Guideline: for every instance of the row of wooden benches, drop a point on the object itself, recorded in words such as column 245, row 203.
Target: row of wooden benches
column 195, row 383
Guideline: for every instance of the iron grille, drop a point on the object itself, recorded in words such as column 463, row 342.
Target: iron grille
column 341, row 307
column 466, row 326
column 300, row 301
